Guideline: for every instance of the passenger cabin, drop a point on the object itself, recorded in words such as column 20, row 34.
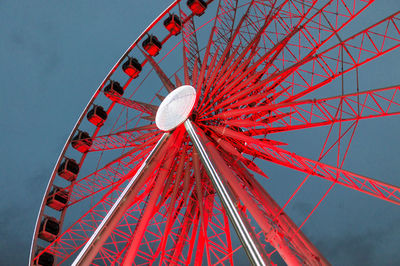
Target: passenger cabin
column 198, row 7
column 68, row 169
column 132, row 67
column 173, row 24
column 113, row 89
column 82, row 142
column 152, row 45
column 45, row 259
column 49, row 229
column 57, row 199
column 97, row 116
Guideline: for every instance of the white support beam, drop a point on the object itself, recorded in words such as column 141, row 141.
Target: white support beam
column 250, row 242
column 106, row 227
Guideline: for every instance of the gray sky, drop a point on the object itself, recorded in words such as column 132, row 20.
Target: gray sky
column 54, row 55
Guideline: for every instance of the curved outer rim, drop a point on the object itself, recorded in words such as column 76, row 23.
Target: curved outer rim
column 77, row 124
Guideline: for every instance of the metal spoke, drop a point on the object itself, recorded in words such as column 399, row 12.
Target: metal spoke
column 169, row 86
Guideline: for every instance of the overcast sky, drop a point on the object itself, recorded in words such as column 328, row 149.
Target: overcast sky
column 53, row 56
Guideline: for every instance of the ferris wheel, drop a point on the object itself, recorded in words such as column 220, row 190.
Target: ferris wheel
column 180, row 179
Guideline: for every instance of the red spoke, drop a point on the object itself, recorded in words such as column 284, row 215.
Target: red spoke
column 141, row 136
column 314, row 113
column 136, row 105
column 357, row 182
column 358, row 50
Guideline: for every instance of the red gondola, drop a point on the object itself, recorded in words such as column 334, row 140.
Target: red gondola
column 97, row 116
column 113, row 89
column 198, row 7
column 57, row 198
column 68, row 169
column 82, row 141
column 132, row 67
column 45, row 259
column 49, row 229
column 173, row 24
column 152, row 45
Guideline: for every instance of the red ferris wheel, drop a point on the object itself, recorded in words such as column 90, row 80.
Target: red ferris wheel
column 180, row 179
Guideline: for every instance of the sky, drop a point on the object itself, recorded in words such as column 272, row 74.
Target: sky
column 54, row 55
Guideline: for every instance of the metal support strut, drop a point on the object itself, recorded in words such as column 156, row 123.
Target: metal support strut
column 122, row 204
column 251, row 245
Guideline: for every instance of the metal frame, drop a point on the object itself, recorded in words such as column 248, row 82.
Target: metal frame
column 253, row 71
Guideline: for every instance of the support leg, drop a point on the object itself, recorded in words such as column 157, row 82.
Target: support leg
column 251, row 245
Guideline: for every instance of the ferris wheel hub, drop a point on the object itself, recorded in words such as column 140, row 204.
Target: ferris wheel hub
column 176, row 108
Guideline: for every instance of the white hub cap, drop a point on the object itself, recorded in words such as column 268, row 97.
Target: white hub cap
column 176, row 108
